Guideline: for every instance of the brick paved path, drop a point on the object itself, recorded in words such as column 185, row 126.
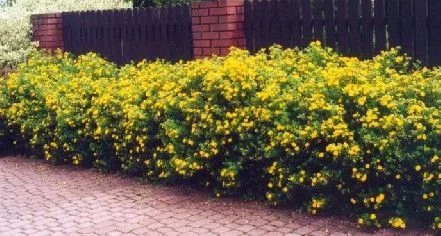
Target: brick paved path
column 36, row 198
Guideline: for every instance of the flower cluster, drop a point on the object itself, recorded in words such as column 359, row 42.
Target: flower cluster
column 302, row 127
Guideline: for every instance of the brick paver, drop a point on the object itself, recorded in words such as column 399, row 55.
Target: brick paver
column 40, row 199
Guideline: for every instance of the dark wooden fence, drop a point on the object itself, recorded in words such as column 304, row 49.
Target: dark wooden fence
column 131, row 34
column 354, row 27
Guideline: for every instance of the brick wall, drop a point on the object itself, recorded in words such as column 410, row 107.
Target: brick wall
column 216, row 26
column 47, row 30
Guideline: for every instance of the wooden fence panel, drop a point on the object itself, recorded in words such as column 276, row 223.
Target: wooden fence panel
column 285, row 17
column 266, row 23
column 329, row 14
column 435, row 32
column 128, row 35
column 361, row 28
column 248, row 25
column 317, row 13
column 367, row 29
column 354, row 27
column 306, row 23
column 421, row 32
column 296, row 32
column 342, row 27
column 407, row 31
column 379, row 26
column 393, row 22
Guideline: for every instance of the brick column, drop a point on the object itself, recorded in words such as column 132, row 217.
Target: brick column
column 216, row 26
column 47, row 30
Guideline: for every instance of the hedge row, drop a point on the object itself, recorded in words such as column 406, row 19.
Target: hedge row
column 306, row 128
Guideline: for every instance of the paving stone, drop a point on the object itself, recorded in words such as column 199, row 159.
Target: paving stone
column 40, row 199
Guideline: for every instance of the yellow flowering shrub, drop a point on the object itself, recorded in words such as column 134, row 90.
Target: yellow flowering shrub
column 300, row 127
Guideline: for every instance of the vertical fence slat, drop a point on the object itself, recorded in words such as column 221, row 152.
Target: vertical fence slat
column 102, row 24
column 179, row 33
column 130, row 31
column 435, row 32
column 393, row 22
column 95, row 34
column 295, row 26
column 317, row 6
column 81, row 33
column 88, row 15
column 284, row 20
column 248, row 24
column 176, row 32
column 421, row 31
column 380, row 26
column 77, row 38
column 119, row 47
column 100, row 32
column 172, row 48
column 407, row 28
column 108, row 32
column 162, row 39
column 136, row 56
column 266, row 23
column 83, row 28
column 125, row 50
column 164, row 32
column 66, row 29
column 88, row 31
column 77, row 33
column 342, row 27
column 329, row 13
column 156, row 28
column 187, row 34
column 275, row 23
column 150, row 33
column 306, row 23
column 354, row 27
column 257, row 25
column 366, row 34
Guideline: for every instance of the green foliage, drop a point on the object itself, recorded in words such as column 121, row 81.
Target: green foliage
column 308, row 128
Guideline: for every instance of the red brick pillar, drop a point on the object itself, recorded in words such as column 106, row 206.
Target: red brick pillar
column 216, row 26
column 47, row 30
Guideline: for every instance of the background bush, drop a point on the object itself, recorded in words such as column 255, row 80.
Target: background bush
column 305, row 128
column 15, row 25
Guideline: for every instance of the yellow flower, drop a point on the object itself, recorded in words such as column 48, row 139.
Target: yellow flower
column 397, row 222
column 269, row 196
column 379, row 198
column 361, row 101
